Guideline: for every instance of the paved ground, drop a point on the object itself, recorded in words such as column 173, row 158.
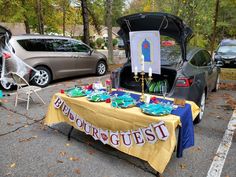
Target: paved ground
column 29, row 149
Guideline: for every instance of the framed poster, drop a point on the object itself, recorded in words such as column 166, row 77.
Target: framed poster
column 145, row 50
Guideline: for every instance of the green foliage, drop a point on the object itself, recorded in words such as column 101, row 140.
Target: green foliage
column 198, row 14
column 117, row 10
column 92, row 44
column 99, row 42
column 114, row 42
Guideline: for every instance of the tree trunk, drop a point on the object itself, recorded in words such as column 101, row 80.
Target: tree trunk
column 40, row 17
column 26, row 19
column 214, row 26
column 85, row 21
column 27, row 27
column 109, row 30
column 64, row 17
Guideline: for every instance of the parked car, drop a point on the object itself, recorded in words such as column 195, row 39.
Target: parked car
column 57, row 57
column 189, row 73
column 226, row 53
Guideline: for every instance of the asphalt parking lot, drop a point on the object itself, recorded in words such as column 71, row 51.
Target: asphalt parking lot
column 29, row 149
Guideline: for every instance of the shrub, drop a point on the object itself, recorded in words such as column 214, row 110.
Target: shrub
column 114, row 42
column 99, row 42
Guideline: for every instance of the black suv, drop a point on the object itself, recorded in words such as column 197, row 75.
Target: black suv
column 226, row 53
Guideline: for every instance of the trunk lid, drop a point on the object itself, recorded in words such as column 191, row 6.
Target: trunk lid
column 168, row 25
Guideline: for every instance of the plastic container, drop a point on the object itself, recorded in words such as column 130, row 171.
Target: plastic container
column 108, row 85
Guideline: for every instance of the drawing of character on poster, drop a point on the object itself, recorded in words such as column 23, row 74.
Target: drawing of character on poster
column 145, row 45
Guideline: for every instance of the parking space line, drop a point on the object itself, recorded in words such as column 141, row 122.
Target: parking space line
column 223, row 149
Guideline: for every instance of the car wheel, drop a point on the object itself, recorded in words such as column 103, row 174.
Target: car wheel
column 202, row 108
column 43, row 78
column 101, row 68
column 217, row 84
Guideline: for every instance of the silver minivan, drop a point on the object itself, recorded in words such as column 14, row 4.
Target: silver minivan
column 57, row 57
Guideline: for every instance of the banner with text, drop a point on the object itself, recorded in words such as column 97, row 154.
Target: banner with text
column 150, row 134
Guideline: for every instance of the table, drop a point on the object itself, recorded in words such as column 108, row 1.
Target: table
column 123, row 129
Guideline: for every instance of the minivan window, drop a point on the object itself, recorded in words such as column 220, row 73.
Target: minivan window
column 33, row 44
column 62, row 45
column 79, row 47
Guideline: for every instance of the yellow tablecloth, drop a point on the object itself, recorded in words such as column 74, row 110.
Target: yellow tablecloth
column 103, row 115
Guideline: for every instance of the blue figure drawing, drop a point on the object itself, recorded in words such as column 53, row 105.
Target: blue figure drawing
column 146, row 50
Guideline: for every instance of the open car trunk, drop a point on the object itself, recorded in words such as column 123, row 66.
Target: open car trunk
column 128, row 82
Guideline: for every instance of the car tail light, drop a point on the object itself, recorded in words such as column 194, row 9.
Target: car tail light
column 184, row 82
column 6, row 55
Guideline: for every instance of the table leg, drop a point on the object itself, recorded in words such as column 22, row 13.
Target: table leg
column 69, row 134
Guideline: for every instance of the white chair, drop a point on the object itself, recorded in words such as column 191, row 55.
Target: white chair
column 23, row 87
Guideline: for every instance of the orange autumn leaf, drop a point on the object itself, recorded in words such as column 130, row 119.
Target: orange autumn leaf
column 50, row 175
column 50, row 150
column 77, row 171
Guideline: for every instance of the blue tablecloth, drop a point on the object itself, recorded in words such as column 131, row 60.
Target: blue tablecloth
column 186, row 131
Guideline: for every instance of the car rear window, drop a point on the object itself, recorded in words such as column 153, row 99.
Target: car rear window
column 227, row 49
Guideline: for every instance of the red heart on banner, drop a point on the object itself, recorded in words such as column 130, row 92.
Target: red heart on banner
column 104, row 136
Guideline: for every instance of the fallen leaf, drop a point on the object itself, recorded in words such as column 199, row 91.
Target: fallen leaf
column 182, row 166
column 62, row 153
column 7, row 174
column 77, row 171
column 199, row 148
column 50, row 175
column 27, row 139
column 59, row 161
column 74, row 158
column 10, row 124
column 91, row 152
column 50, row 150
column 13, row 165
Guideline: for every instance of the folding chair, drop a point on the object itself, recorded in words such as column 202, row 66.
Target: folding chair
column 23, row 87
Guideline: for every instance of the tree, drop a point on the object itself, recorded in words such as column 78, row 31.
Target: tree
column 26, row 19
column 214, row 26
column 109, row 29
column 40, row 16
column 117, row 10
column 85, row 21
